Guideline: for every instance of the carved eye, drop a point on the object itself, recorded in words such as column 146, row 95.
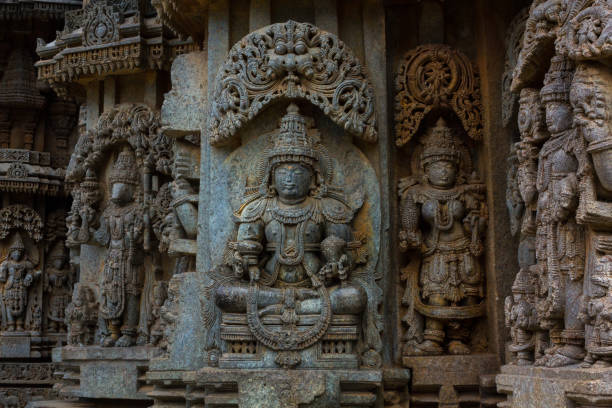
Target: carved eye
column 281, row 49
column 300, row 48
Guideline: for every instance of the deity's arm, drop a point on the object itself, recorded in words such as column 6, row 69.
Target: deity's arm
column 102, row 235
column 477, row 212
column 410, row 214
column 247, row 248
column 3, row 271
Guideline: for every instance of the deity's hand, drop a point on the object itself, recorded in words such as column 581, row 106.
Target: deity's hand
column 410, row 239
column 28, row 280
column 254, row 273
column 335, row 269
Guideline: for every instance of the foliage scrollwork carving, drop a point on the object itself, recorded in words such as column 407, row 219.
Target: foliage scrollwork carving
column 436, row 76
column 291, row 60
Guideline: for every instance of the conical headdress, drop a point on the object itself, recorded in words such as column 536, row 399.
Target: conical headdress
column 292, row 143
column 17, row 242
column 58, row 251
column 558, row 80
column 440, row 144
column 125, row 169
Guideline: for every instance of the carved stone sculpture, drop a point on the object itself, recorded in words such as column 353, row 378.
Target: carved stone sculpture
column 443, row 215
column 294, row 249
column 17, row 274
column 82, row 316
column 121, row 232
column 58, row 285
column 560, row 250
column 292, row 60
column 125, row 227
column 590, row 97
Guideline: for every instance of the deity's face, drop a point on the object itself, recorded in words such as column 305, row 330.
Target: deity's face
column 58, row 263
column 558, row 117
column 122, row 193
column 16, row 254
column 442, row 173
column 292, row 180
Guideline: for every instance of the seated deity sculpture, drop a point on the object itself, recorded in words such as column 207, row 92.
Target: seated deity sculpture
column 293, row 251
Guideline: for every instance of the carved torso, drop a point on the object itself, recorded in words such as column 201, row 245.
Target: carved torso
column 15, row 292
column 292, row 235
column 122, row 231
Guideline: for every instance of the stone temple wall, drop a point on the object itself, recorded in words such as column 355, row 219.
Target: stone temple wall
column 305, row 204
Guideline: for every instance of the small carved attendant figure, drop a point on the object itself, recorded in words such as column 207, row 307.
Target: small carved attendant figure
column 444, row 216
column 17, row 273
column 156, row 322
column 561, row 241
column 520, row 309
column 81, row 316
column 121, row 232
column 58, row 284
column 293, row 244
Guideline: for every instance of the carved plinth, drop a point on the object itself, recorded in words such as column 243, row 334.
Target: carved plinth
column 531, row 387
column 240, row 388
column 104, row 372
column 28, row 345
column 337, row 348
column 450, row 381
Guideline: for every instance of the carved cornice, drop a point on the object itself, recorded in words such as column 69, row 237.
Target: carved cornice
column 14, row 10
column 26, row 171
column 184, row 17
column 106, row 38
column 436, row 76
column 291, row 61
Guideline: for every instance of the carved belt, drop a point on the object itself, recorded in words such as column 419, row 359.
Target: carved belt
column 314, row 247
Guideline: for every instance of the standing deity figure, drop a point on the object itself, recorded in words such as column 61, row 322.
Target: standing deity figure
column 58, row 285
column 121, row 232
column 17, row 273
column 293, row 244
column 560, row 248
column 591, row 98
column 520, row 307
column 443, row 216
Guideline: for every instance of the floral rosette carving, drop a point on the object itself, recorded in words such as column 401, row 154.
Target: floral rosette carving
column 291, row 60
column 431, row 77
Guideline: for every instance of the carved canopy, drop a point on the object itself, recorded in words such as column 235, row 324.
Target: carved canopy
column 431, row 77
column 135, row 124
column 286, row 61
column 20, row 216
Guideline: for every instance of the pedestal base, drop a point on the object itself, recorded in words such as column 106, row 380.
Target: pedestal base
column 252, row 388
column 452, row 381
column 567, row 387
column 95, row 372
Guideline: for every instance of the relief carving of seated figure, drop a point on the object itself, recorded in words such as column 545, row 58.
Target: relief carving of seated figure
column 293, row 248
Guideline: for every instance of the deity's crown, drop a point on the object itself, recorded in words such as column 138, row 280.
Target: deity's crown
column 17, row 242
column 440, row 143
column 293, row 143
column 125, row 169
column 58, row 251
column 523, row 283
column 558, row 80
